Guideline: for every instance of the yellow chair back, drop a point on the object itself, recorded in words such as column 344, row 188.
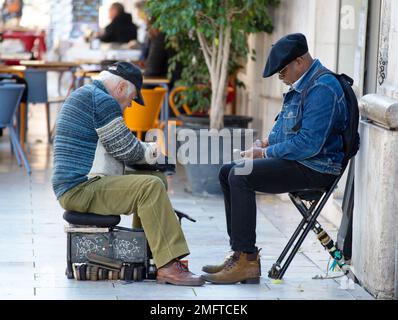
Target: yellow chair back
column 143, row 118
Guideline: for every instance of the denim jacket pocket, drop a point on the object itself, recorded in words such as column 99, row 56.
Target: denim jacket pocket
column 290, row 118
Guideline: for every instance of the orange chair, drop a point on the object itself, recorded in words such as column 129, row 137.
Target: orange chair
column 172, row 103
column 185, row 107
column 141, row 119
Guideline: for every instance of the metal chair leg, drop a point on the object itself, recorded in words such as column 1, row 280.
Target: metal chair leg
column 14, row 149
column 19, row 149
column 291, row 241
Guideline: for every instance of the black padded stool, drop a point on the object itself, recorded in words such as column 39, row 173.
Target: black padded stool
column 91, row 219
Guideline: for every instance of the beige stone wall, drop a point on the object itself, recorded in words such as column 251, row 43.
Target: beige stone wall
column 390, row 40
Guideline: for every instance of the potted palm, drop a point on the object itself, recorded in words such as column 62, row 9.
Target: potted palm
column 210, row 41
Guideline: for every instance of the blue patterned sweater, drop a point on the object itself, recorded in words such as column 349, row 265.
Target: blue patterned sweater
column 91, row 139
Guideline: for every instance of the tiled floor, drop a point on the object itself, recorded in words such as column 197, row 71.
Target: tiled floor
column 32, row 241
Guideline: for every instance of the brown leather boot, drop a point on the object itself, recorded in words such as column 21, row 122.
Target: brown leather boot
column 217, row 268
column 242, row 267
column 178, row 274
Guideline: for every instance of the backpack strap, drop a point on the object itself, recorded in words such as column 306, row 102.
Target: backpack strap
column 322, row 71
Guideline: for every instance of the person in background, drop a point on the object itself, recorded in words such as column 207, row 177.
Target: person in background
column 156, row 55
column 141, row 21
column 11, row 12
column 121, row 29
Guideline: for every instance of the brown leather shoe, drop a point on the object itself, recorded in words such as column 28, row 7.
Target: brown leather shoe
column 217, row 268
column 242, row 267
column 178, row 274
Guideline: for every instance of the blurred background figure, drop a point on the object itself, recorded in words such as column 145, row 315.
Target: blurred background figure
column 154, row 53
column 121, row 29
column 141, row 21
column 11, row 13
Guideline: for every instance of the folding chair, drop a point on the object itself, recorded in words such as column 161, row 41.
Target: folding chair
column 310, row 203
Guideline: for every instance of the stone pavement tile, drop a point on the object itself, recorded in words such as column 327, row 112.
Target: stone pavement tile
column 51, row 241
column 17, row 293
column 204, row 240
column 309, row 289
column 48, row 229
column 15, row 276
column 13, row 273
column 19, row 205
column 15, row 220
column 359, row 293
column 58, row 280
column 49, row 253
column 201, row 255
column 16, row 253
column 41, row 240
column 46, row 217
column 15, row 234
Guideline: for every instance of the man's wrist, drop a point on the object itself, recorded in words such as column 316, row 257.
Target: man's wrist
column 265, row 153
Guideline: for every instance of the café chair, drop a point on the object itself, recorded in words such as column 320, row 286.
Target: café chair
column 140, row 119
column 10, row 97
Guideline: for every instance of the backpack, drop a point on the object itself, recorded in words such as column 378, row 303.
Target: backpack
column 350, row 135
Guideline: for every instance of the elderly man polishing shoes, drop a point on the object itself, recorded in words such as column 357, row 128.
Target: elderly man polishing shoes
column 92, row 145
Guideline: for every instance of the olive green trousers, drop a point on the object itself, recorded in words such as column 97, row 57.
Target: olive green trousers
column 142, row 194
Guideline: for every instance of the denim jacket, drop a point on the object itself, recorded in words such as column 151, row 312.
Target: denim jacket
column 318, row 143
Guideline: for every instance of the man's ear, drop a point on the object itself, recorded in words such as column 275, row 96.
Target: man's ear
column 120, row 88
column 300, row 61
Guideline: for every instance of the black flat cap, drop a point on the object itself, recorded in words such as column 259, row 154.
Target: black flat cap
column 283, row 52
column 131, row 73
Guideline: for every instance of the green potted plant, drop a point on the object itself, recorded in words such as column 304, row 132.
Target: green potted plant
column 210, row 41
column 217, row 26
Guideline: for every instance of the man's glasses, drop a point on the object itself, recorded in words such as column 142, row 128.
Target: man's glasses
column 283, row 70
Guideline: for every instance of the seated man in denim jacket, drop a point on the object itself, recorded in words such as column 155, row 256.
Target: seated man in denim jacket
column 304, row 150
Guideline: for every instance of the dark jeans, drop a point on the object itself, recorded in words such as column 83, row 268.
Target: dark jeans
column 273, row 176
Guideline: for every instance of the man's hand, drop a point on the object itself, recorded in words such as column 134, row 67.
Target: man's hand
column 261, row 144
column 154, row 148
column 253, row 153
